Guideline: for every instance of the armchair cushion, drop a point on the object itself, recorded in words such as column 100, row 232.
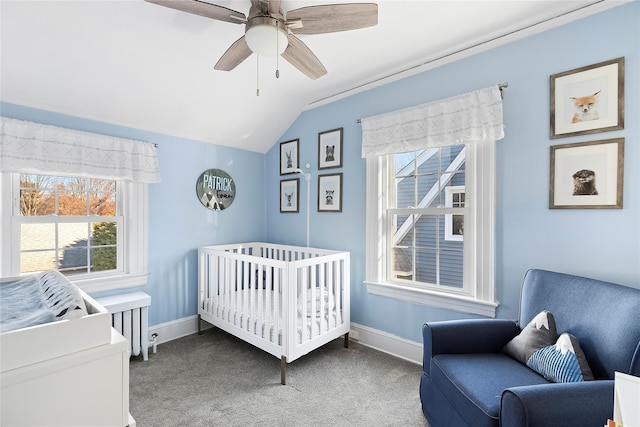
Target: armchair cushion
column 538, row 334
column 563, row 362
column 474, row 382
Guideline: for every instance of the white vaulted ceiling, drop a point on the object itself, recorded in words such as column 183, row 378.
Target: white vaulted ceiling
column 137, row 64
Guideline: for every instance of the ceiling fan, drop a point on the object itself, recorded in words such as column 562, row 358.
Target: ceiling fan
column 268, row 32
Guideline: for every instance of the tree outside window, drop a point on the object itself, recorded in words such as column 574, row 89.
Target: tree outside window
column 61, row 224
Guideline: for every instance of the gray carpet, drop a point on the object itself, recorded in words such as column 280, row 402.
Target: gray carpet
column 215, row 379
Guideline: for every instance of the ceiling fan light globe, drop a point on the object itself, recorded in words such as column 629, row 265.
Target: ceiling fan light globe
column 266, row 36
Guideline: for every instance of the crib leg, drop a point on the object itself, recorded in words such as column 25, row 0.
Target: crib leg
column 346, row 340
column 199, row 325
column 283, row 370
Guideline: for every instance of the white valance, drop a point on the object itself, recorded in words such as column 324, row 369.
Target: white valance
column 28, row 147
column 470, row 117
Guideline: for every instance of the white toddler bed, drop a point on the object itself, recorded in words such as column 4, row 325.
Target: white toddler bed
column 285, row 300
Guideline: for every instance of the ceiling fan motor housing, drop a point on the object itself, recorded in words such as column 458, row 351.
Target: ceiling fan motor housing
column 266, row 35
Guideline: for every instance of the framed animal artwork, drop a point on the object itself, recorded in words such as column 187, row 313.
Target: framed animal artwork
column 587, row 175
column 289, row 156
column 289, row 195
column 330, row 193
column 330, row 149
column 588, row 100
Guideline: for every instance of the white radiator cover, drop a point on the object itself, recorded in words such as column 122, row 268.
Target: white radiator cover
column 130, row 317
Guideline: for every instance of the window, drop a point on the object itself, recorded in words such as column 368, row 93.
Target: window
column 430, row 227
column 68, row 224
column 83, row 227
column 421, row 254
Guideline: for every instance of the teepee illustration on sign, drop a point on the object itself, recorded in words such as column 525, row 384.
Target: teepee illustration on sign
column 211, row 201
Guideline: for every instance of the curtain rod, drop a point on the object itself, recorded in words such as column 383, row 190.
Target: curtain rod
column 500, row 86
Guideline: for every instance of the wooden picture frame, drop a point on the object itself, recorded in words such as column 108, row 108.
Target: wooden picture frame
column 588, row 99
column 289, row 156
column 290, row 195
column 330, row 149
column 330, row 193
column 587, row 175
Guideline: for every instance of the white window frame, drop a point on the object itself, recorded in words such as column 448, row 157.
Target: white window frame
column 478, row 295
column 134, row 272
column 449, row 191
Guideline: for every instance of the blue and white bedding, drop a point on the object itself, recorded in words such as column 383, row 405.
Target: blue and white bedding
column 37, row 299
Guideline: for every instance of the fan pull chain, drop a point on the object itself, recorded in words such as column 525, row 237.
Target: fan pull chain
column 257, row 75
column 277, row 56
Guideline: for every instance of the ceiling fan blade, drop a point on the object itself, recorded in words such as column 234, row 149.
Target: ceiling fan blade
column 201, row 8
column 301, row 57
column 331, row 18
column 261, row 5
column 237, row 52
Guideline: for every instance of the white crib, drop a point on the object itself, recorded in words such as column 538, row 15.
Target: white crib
column 285, row 300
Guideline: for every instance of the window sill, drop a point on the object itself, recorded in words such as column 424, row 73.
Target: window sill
column 436, row 299
column 111, row 283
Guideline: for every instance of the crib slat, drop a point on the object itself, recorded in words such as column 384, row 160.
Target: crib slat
column 316, row 295
column 212, row 279
column 333, row 307
column 260, row 299
column 302, row 302
column 245, row 296
column 324, row 300
column 266, row 331
column 277, row 294
column 339, row 293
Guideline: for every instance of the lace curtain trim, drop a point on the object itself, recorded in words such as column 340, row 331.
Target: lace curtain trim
column 467, row 118
column 28, row 147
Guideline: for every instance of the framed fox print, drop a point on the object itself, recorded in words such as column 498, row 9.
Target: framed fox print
column 588, row 99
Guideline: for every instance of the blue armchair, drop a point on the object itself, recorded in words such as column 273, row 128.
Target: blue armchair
column 468, row 381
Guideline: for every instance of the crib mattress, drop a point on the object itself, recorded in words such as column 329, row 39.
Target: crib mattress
column 268, row 325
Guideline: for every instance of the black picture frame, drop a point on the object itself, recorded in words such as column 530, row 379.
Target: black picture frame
column 330, row 193
column 290, row 195
column 289, row 156
column 330, row 149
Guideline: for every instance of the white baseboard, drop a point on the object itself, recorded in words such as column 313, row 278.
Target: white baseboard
column 175, row 329
column 387, row 343
column 374, row 338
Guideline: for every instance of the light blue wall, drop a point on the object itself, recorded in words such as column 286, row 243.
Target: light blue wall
column 178, row 223
column 603, row 244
